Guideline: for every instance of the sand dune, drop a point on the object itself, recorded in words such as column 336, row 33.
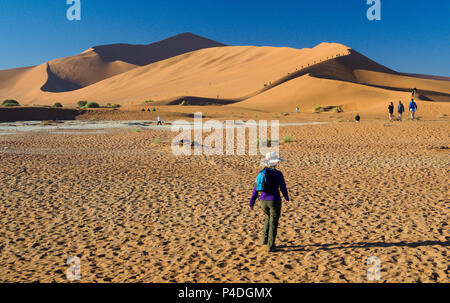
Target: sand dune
column 102, row 62
column 188, row 67
column 224, row 72
column 308, row 92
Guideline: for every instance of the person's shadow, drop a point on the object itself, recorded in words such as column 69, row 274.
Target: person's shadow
column 314, row 247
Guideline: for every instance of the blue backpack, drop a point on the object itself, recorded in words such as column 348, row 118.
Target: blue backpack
column 262, row 183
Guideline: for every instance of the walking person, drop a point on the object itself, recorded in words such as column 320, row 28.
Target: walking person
column 400, row 110
column 268, row 184
column 412, row 108
column 391, row 111
column 357, row 118
column 159, row 120
column 297, row 109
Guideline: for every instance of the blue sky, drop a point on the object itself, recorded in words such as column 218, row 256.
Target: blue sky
column 412, row 36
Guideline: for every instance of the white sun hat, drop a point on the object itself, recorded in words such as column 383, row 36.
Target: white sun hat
column 271, row 159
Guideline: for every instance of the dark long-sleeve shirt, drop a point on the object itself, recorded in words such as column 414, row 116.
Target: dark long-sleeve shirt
column 277, row 180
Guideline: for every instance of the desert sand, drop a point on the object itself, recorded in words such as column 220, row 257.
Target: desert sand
column 188, row 67
column 133, row 212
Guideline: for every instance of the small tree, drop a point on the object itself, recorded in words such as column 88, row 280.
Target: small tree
column 8, row 103
column 92, row 105
column 81, row 104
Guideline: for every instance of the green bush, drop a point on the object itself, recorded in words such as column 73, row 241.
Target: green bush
column 317, row 108
column 287, row 139
column 81, row 104
column 157, row 141
column 337, row 109
column 92, row 105
column 8, row 103
column 109, row 105
column 57, row 105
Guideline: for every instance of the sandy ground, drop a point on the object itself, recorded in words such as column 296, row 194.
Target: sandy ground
column 133, row 212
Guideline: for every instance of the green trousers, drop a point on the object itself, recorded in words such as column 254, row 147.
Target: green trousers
column 272, row 209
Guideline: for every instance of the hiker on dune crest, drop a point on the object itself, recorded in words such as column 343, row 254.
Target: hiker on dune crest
column 268, row 184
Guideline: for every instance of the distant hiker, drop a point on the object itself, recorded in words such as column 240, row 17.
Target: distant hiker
column 400, row 110
column 391, row 111
column 414, row 92
column 154, row 109
column 268, row 184
column 148, row 109
column 297, row 109
column 159, row 120
column 143, row 110
column 357, row 118
column 412, row 108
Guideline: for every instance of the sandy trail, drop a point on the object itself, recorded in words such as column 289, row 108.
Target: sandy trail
column 134, row 212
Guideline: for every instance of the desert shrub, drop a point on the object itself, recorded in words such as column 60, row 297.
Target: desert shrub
column 183, row 103
column 442, row 116
column 81, row 104
column 57, row 105
column 287, row 139
column 157, row 141
column 109, row 105
column 147, row 101
column 8, row 103
column 92, row 105
column 285, row 114
column 337, row 109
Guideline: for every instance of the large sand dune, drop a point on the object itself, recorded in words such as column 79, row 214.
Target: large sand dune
column 102, row 62
column 201, row 71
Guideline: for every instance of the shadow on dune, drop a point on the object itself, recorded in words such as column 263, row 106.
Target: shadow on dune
column 57, row 85
column 191, row 100
column 423, row 95
column 147, row 54
column 334, row 246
